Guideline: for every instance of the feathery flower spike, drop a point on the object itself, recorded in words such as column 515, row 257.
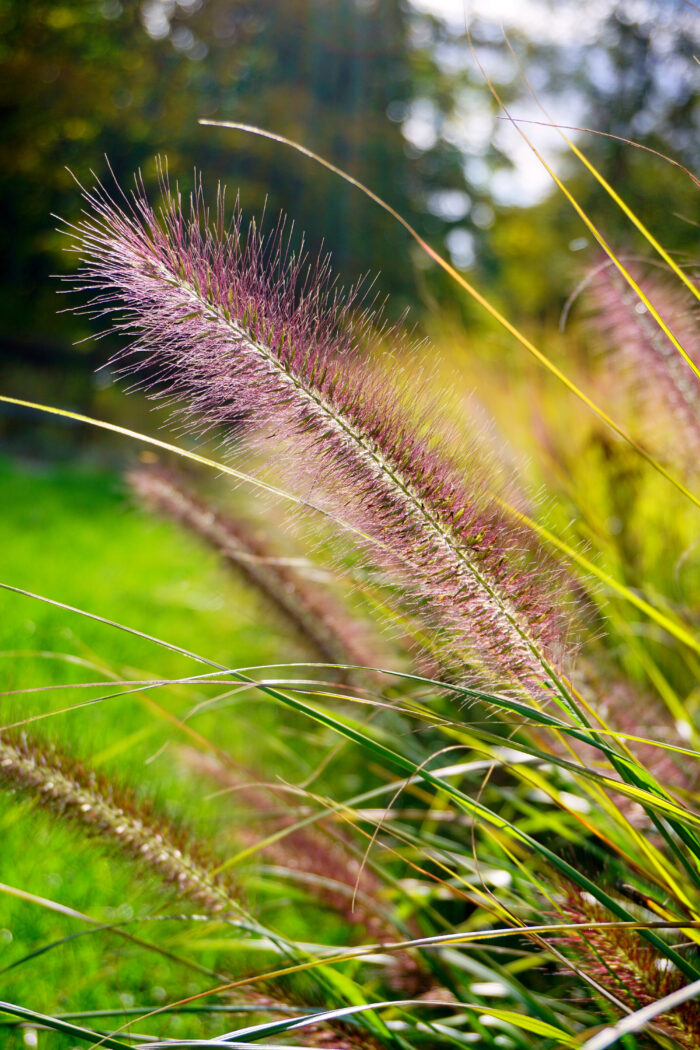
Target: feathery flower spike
column 627, row 966
column 64, row 786
column 663, row 387
column 242, row 336
column 329, row 633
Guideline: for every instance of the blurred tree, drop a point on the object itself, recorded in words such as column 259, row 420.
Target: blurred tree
column 625, row 68
column 85, row 78
column 386, row 88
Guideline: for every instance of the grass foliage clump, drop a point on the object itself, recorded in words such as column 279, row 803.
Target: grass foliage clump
column 386, row 749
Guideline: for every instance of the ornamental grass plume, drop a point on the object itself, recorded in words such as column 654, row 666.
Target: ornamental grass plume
column 664, row 390
column 242, row 337
column 627, row 966
column 329, row 634
column 332, row 634
column 64, row 786
column 343, row 885
column 69, row 790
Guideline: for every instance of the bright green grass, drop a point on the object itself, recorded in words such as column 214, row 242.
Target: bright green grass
column 71, row 534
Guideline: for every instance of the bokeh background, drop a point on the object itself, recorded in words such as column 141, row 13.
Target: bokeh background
column 391, row 91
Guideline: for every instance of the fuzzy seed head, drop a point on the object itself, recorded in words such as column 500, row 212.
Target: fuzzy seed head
column 62, row 785
column 327, row 631
column 665, row 392
column 242, row 338
column 627, row 966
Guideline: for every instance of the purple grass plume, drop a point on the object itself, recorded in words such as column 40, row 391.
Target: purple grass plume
column 243, row 338
column 626, row 966
column 664, row 390
column 328, row 632
column 62, row 784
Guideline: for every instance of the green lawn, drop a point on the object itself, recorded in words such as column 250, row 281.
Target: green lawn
column 73, row 535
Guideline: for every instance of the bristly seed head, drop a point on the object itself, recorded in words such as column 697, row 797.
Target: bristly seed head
column 242, row 337
column 63, row 785
column 664, row 389
column 626, row 966
column 329, row 632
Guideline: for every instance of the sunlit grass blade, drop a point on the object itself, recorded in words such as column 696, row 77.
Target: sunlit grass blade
column 607, row 135
column 55, row 1024
column 622, row 205
column 591, row 226
column 369, row 742
column 530, row 1024
column 641, row 1019
column 538, row 716
column 156, row 443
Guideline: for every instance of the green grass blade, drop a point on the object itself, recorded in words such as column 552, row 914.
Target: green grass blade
column 57, row 1025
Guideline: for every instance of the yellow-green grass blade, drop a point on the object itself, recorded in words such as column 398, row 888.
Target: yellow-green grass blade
column 609, row 135
column 57, row 1025
column 674, row 628
column 588, row 222
column 609, row 189
column 529, row 1024
column 391, row 758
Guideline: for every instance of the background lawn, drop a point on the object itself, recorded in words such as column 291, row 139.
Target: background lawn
column 73, row 534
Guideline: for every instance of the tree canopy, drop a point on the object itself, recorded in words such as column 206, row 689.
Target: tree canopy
column 388, row 90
